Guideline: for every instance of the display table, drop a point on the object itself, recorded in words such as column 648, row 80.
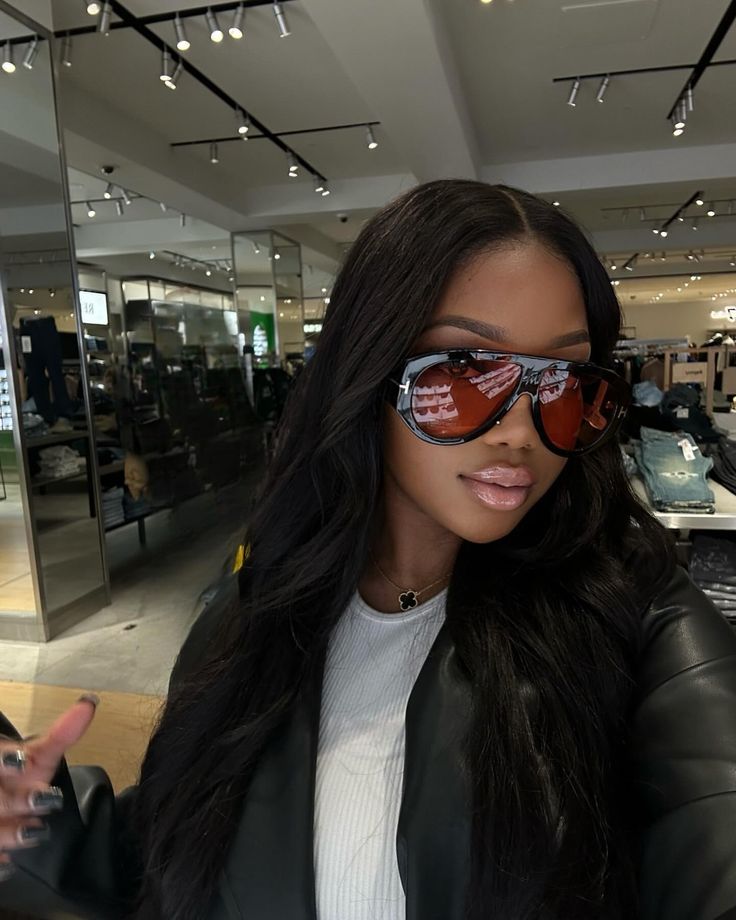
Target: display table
column 723, row 519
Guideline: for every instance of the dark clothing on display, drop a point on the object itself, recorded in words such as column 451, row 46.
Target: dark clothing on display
column 723, row 455
column 681, row 764
column 681, row 406
column 45, row 358
column 713, row 569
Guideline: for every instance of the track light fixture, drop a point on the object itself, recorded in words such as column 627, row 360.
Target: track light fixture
column 663, row 233
column 699, row 202
column 281, row 20
column 603, row 87
column 236, row 29
column 8, row 64
column 711, row 210
column 183, row 220
column 119, row 208
column 215, row 31
column 94, row 8
column 214, row 158
column 370, row 139
column 126, row 197
column 103, row 26
column 293, row 166
column 163, row 207
column 90, row 210
column 66, row 51
column 109, row 191
column 172, row 82
column 30, row 55
column 151, row 255
column 325, row 190
column 182, row 42
column 318, row 185
column 574, row 92
column 629, row 265
column 165, row 74
column 243, row 122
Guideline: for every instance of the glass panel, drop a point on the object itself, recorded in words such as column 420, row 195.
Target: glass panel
column 42, row 317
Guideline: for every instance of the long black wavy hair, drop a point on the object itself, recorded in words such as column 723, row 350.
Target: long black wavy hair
column 546, row 622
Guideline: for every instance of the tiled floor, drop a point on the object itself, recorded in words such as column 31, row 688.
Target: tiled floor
column 155, row 589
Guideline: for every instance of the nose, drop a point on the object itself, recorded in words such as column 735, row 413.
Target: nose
column 516, row 429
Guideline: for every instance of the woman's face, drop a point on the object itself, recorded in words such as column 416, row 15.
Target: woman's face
column 521, row 299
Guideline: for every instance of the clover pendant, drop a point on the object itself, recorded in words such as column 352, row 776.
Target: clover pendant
column 408, row 600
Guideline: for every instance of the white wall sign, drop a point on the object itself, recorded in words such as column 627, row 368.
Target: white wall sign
column 728, row 313
column 94, row 307
column 260, row 341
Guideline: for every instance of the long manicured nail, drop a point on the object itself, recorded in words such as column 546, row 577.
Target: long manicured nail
column 33, row 833
column 6, row 871
column 90, row 698
column 47, row 798
column 14, row 760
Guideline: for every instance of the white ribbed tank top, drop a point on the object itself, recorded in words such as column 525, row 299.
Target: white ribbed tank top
column 372, row 663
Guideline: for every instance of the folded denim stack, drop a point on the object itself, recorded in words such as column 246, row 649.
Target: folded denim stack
column 723, row 455
column 713, row 569
column 674, row 472
column 647, row 393
column 112, row 507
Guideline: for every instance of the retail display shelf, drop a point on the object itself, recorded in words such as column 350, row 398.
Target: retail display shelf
column 723, row 519
column 47, row 480
column 47, row 440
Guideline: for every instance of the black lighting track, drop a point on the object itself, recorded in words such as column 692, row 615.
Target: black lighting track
column 255, row 137
column 680, row 210
column 129, row 21
column 706, row 58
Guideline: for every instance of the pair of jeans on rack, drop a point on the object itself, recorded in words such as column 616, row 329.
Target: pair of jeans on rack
column 724, row 462
column 713, row 569
column 42, row 353
column 674, row 471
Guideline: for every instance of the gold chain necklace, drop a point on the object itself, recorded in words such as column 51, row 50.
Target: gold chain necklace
column 407, row 596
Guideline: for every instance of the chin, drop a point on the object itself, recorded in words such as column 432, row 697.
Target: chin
column 476, row 529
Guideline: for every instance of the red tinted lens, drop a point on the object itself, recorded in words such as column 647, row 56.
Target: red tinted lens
column 451, row 399
column 577, row 409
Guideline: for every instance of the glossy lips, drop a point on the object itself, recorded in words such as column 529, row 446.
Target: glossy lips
column 502, row 487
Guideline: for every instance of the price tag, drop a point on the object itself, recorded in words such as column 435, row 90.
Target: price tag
column 682, row 412
column 25, row 344
column 688, row 451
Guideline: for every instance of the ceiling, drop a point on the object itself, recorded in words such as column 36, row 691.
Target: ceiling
column 455, row 87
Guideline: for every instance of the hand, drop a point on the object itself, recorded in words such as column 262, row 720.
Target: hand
column 26, row 769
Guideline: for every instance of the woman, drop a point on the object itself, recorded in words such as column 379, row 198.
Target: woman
column 464, row 678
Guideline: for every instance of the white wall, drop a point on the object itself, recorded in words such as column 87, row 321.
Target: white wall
column 669, row 320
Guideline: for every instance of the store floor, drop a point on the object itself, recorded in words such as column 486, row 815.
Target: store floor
column 16, row 586
column 131, row 646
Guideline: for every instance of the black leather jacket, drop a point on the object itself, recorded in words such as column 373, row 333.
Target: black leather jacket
column 683, row 758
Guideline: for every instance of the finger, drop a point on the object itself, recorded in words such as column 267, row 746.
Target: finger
column 45, row 753
column 22, row 834
column 30, row 801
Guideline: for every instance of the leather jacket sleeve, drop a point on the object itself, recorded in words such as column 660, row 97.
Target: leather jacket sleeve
column 683, row 758
column 90, row 868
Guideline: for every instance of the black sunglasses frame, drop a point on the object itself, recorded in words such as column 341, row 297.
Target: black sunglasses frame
column 401, row 386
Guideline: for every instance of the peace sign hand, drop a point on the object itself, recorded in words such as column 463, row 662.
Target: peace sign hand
column 26, row 769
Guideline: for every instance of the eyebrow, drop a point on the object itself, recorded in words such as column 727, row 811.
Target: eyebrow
column 500, row 334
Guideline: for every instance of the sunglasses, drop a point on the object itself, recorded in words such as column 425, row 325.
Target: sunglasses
column 452, row 397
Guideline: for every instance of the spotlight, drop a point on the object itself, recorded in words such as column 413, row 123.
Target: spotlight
column 165, row 74
column 293, row 167
column 655, row 230
column 182, row 42
column 208, row 272
column 695, row 223
column 699, row 202
column 677, row 128
column 183, row 220
column 236, row 29
column 256, row 249
column 152, row 255
column 126, row 197
column 109, row 191
column 90, row 210
column 66, row 51
column 30, row 55
column 276, row 254
column 172, row 83
column 214, row 158
column 243, row 122
column 574, row 92
column 663, row 233
column 212, row 24
column 556, row 204
column 602, row 91
column 103, row 26
column 163, row 206
column 711, row 211
column 318, row 185
column 370, row 139
column 325, row 191
column 281, row 20
column 94, row 9
column 8, row 64
column 119, row 208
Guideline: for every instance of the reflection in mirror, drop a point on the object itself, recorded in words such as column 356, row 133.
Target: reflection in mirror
column 46, row 441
